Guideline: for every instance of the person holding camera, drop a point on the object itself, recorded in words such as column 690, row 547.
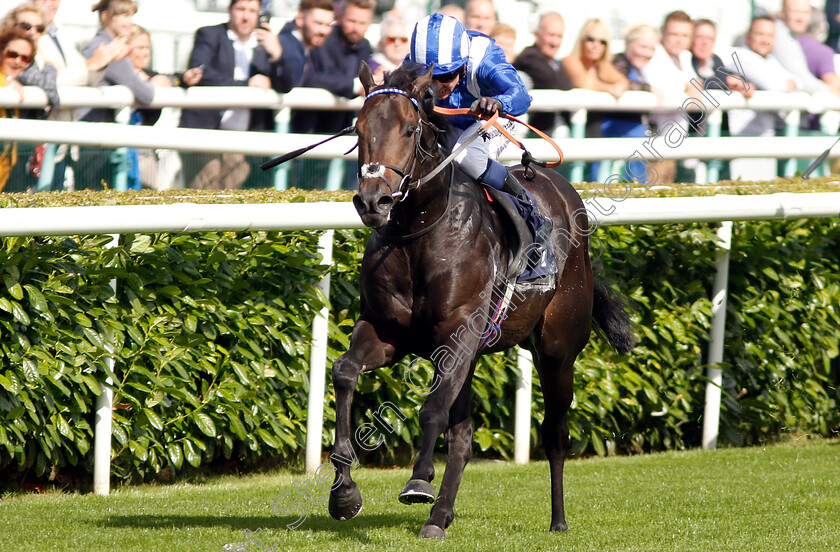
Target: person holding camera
column 237, row 53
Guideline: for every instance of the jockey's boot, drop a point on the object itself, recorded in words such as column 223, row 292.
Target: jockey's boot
column 514, row 188
column 535, row 254
column 498, row 176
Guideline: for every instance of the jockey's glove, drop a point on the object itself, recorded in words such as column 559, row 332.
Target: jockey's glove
column 486, row 105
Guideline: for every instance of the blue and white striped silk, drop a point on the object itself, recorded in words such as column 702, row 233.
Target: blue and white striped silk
column 441, row 40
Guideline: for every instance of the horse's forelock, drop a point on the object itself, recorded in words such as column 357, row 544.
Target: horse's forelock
column 404, row 76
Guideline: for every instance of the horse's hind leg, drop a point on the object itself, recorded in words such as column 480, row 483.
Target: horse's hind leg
column 459, row 449
column 556, row 379
column 366, row 351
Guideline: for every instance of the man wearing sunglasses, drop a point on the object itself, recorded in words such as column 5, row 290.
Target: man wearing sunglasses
column 470, row 70
column 391, row 50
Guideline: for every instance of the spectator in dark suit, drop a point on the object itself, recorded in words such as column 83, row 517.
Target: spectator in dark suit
column 540, row 64
column 236, row 53
column 309, row 30
column 334, row 67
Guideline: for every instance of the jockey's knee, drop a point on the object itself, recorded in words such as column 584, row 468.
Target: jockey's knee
column 474, row 165
column 494, row 174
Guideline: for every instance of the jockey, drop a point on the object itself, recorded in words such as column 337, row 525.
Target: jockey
column 471, row 71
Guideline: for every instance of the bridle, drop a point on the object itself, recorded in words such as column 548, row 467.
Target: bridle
column 418, row 153
column 377, row 170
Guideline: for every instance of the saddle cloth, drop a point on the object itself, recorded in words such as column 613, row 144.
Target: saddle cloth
column 530, row 233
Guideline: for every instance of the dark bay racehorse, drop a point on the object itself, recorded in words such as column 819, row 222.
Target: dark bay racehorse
column 430, row 266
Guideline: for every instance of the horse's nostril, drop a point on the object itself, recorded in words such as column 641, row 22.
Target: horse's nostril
column 359, row 204
column 384, row 201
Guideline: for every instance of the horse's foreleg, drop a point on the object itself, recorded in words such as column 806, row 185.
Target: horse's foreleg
column 434, row 420
column 454, row 360
column 366, row 351
column 459, row 449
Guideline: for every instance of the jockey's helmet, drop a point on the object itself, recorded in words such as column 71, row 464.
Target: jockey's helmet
column 441, row 40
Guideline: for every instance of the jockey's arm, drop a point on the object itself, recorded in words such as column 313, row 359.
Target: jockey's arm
column 498, row 79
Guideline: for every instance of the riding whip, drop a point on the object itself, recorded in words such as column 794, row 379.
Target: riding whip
column 818, row 161
column 298, row 152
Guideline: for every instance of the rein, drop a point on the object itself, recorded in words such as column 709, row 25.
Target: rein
column 492, row 121
column 377, row 170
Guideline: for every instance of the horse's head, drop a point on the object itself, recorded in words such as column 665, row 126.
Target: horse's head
column 394, row 140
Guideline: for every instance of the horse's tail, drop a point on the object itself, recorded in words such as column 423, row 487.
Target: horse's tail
column 611, row 319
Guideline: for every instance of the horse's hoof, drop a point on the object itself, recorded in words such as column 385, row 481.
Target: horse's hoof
column 417, row 491
column 559, row 527
column 347, row 507
column 430, row 531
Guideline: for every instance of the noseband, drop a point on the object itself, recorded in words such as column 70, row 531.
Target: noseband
column 377, row 170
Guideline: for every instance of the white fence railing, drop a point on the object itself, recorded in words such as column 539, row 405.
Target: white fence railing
column 118, row 97
column 577, row 148
column 113, row 135
column 315, row 216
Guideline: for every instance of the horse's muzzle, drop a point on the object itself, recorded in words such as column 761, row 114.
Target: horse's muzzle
column 373, row 208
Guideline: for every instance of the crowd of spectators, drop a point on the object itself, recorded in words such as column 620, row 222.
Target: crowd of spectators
column 324, row 45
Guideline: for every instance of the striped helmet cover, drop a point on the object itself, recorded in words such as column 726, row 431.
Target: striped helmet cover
column 441, row 40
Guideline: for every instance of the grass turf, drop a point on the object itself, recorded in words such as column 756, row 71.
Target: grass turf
column 779, row 497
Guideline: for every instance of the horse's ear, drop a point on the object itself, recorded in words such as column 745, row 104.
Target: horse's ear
column 422, row 82
column 366, row 76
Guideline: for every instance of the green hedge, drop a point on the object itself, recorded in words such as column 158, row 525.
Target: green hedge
column 211, row 342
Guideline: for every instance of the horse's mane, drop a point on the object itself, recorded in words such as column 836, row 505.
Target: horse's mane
column 403, row 77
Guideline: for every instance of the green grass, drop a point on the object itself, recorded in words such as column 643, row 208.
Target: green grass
column 775, row 498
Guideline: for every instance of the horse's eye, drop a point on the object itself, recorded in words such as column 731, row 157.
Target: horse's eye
column 409, row 130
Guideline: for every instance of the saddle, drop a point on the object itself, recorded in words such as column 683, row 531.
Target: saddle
column 528, row 236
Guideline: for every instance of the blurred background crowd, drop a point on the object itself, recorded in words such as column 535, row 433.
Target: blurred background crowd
column 739, row 46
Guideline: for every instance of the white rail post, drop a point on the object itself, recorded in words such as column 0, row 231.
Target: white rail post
column 577, row 124
column 281, row 173
column 711, row 417
column 318, row 364
column 792, row 130
column 103, row 427
column 119, row 157
column 335, row 175
column 522, row 424
column 47, row 168
column 713, row 129
column 829, row 125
